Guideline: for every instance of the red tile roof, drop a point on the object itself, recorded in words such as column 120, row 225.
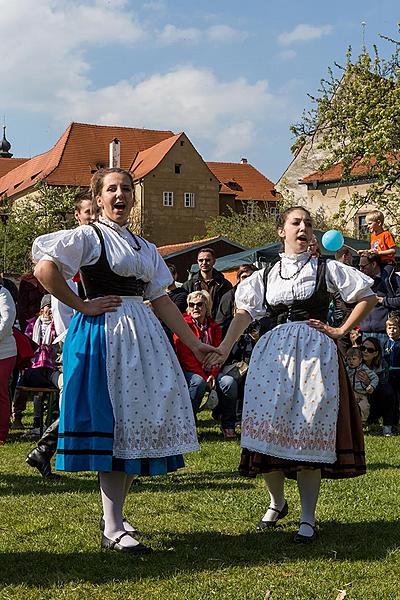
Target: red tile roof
column 244, row 180
column 78, row 151
column 335, row 173
column 7, row 164
column 171, row 248
column 147, row 160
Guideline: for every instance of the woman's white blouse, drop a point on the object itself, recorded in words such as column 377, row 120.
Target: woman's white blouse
column 351, row 284
column 8, row 346
column 72, row 249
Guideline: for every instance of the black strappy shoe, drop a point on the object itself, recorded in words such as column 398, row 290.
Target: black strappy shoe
column 108, row 544
column 261, row 525
column 305, row 539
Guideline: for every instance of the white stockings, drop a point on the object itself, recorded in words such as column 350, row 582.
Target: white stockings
column 114, row 488
column 308, row 482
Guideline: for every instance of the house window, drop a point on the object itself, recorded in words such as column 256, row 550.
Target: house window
column 168, row 198
column 178, row 168
column 272, row 209
column 251, row 209
column 188, row 200
column 362, row 225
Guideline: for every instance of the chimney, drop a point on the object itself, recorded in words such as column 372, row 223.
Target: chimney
column 243, row 161
column 115, row 153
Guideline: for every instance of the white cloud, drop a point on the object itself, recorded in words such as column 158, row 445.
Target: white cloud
column 49, row 57
column 225, row 33
column 171, row 35
column 234, row 139
column 186, row 98
column 303, row 33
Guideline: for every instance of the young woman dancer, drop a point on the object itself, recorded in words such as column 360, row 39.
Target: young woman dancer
column 125, row 409
column 300, row 419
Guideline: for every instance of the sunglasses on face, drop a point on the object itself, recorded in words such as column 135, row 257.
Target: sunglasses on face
column 196, row 304
column 368, row 349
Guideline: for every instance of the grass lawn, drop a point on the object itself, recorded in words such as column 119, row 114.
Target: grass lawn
column 201, row 524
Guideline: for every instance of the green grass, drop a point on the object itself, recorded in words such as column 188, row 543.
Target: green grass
column 200, row 523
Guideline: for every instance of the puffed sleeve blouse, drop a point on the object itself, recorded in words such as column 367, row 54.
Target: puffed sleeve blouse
column 127, row 254
column 351, row 284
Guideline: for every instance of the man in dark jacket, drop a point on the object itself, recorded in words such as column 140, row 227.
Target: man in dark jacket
column 387, row 289
column 208, row 279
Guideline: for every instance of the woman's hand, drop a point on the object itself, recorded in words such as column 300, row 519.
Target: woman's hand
column 216, row 358
column 99, row 306
column 363, row 377
column 201, row 351
column 333, row 332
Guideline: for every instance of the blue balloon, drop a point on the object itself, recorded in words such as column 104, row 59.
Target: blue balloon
column 332, row 240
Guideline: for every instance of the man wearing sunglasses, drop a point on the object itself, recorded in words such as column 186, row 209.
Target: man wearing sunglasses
column 208, row 279
column 387, row 289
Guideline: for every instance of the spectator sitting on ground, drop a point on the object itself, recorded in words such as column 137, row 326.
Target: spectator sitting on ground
column 42, row 331
column 198, row 317
column 208, row 279
column 381, row 400
column 387, row 289
column 354, row 364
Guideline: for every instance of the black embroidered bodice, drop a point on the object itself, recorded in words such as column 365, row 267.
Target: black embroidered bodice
column 100, row 280
column 315, row 307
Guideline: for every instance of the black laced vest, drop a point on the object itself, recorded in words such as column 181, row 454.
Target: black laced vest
column 315, row 307
column 100, row 280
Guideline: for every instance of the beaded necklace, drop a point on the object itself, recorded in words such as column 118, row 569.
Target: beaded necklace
column 294, row 274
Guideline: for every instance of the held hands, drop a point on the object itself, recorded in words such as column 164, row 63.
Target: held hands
column 99, row 306
column 216, row 358
column 201, row 351
column 333, row 332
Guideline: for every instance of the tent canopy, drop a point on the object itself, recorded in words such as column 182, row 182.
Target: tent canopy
column 269, row 252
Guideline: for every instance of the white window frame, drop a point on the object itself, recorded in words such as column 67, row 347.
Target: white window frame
column 189, row 200
column 168, row 199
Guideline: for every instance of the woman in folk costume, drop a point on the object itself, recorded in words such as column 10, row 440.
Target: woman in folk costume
column 300, row 418
column 126, row 409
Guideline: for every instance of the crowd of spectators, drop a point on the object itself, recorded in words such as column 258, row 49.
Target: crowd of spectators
column 207, row 302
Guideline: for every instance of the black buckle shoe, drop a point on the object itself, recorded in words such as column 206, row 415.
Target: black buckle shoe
column 108, row 544
column 261, row 525
column 42, row 464
column 305, row 539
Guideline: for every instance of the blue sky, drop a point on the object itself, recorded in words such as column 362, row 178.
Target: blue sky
column 232, row 74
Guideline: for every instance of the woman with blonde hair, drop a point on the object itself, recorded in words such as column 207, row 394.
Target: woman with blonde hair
column 198, row 317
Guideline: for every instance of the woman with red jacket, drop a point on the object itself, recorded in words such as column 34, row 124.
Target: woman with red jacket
column 197, row 316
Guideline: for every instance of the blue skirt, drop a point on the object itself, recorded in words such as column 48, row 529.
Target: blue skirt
column 86, row 429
